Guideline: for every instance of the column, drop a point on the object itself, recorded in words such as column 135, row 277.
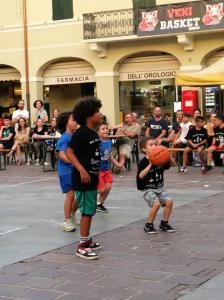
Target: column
column 107, row 86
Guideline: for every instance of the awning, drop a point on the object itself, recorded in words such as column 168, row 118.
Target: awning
column 9, row 74
column 211, row 75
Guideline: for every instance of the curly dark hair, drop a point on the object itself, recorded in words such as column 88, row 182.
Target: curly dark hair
column 35, row 103
column 86, row 107
column 62, row 121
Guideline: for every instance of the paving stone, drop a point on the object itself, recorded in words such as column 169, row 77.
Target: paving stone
column 18, row 269
column 217, row 283
column 149, row 275
column 81, row 277
column 35, row 294
column 78, row 267
column 42, row 283
column 109, row 281
column 81, row 297
column 50, row 264
column 13, row 279
column 153, row 286
column 9, row 290
column 186, row 279
column 153, row 296
column 47, row 273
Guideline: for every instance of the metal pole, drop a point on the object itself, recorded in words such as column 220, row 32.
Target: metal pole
column 26, row 56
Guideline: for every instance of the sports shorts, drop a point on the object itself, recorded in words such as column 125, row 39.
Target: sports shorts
column 152, row 195
column 104, row 178
column 65, row 183
column 203, row 146
column 87, row 202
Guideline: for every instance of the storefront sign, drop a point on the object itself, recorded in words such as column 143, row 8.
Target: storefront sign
column 69, row 79
column 181, row 17
column 147, row 75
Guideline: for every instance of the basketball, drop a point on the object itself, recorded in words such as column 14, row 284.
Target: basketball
column 159, row 156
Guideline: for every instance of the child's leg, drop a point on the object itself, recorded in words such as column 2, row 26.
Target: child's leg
column 85, row 224
column 68, row 204
column 104, row 193
column 167, row 209
column 209, row 155
column 153, row 212
column 201, row 156
column 185, row 154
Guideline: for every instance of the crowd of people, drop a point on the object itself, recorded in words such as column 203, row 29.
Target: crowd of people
column 18, row 132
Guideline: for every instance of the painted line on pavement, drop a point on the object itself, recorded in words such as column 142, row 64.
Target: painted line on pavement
column 12, row 230
column 26, row 182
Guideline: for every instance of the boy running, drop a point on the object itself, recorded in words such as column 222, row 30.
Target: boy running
column 66, row 125
column 84, row 154
column 150, row 180
column 105, row 176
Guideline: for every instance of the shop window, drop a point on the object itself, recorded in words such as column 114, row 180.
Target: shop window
column 62, row 9
column 143, row 3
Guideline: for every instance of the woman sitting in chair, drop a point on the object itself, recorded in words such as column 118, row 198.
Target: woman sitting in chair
column 7, row 133
column 21, row 139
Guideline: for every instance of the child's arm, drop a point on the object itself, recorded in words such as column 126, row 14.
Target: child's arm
column 85, row 178
column 62, row 155
column 114, row 161
column 145, row 171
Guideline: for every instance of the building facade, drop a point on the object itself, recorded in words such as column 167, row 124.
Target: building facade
column 118, row 50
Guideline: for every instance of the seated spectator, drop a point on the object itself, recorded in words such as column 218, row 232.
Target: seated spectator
column 175, row 128
column 197, row 140
column 55, row 113
column 37, row 144
column 1, row 117
column 157, row 126
column 21, row 139
column 40, row 112
column 7, row 133
column 196, row 113
column 218, row 140
column 21, row 112
column 180, row 140
column 131, row 131
column 52, row 130
column 210, row 128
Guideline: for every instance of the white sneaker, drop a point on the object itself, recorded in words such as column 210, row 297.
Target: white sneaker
column 46, row 163
column 68, row 226
column 74, row 219
column 37, row 163
column 28, row 162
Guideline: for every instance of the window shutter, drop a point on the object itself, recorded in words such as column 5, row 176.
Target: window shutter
column 67, row 9
column 143, row 3
column 62, row 9
column 57, row 9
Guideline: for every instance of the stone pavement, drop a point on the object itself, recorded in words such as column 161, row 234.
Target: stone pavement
column 132, row 264
column 186, row 265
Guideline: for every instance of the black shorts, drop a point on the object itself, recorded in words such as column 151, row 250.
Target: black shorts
column 195, row 148
column 7, row 144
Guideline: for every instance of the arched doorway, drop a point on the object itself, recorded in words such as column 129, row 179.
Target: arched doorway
column 148, row 80
column 66, row 80
column 10, row 88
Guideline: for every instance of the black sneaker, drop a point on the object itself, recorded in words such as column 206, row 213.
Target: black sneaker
column 166, row 227
column 85, row 252
column 101, row 208
column 149, row 228
column 207, row 168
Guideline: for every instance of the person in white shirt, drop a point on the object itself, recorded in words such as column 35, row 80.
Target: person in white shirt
column 185, row 125
column 19, row 113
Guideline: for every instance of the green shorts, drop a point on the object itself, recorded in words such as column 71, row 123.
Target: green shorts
column 87, row 202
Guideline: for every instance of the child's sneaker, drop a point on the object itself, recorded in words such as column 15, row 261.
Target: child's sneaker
column 85, row 252
column 207, row 168
column 94, row 246
column 37, row 163
column 68, row 226
column 183, row 170
column 149, row 228
column 101, row 208
column 165, row 226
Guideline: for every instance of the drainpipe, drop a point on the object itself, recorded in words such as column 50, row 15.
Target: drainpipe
column 26, row 56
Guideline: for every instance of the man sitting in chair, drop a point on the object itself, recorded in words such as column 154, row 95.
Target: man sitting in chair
column 129, row 131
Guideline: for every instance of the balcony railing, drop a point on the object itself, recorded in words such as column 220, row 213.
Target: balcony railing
column 107, row 24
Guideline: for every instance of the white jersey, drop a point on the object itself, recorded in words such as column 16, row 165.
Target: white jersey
column 184, row 131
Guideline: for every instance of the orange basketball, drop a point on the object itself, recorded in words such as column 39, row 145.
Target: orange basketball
column 159, row 155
